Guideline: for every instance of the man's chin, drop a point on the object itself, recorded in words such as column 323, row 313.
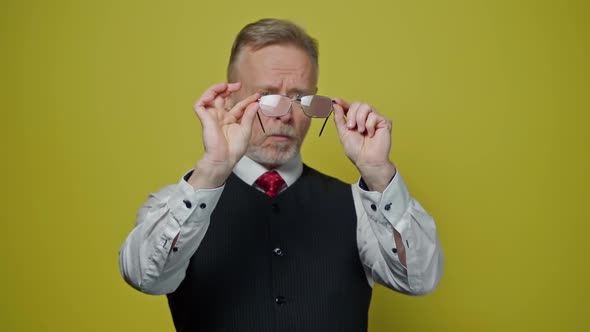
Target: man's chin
column 273, row 159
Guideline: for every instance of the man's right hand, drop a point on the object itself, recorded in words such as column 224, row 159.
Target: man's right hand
column 226, row 134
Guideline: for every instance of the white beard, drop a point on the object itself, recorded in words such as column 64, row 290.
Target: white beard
column 273, row 155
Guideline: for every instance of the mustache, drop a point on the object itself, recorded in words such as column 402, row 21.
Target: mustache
column 283, row 131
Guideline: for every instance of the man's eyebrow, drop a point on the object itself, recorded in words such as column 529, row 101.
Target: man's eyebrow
column 269, row 88
column 301, row 91
column 274, row 89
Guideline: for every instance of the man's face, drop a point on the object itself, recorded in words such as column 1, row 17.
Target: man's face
column 276, row 69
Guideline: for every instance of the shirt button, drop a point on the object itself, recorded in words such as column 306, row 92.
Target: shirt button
column 387, row 207
column 187, row 203
column 203, row 205
column 280, row 300
column 373, row 207
column 278, row 252
column 175, row 249
column 275, row 208
column 394, row 250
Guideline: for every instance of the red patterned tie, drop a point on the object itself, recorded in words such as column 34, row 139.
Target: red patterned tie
column 271, row 182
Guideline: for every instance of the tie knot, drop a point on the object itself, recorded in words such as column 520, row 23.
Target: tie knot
column 271, row 182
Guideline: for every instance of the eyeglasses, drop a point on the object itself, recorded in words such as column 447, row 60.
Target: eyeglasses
column 313, row 106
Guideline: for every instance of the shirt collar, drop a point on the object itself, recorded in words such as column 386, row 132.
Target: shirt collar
column 249, row 171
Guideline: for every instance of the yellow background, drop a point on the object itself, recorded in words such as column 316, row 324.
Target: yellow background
column 490, row 106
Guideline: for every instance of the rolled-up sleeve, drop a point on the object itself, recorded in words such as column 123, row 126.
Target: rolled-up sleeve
column 169, row 229
column 378, row 215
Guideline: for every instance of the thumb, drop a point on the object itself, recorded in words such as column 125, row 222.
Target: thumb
column 339, row 119
column 248, row 116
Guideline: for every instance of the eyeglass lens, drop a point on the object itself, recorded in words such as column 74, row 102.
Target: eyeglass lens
column 278, row 105
column 274, row 105
column 316, row 106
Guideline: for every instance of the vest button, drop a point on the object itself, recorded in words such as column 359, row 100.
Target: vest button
column 275, row 208
column 278, row 252
column 280, row 300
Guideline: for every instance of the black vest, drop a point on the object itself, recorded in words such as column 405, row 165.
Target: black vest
column 288, row 263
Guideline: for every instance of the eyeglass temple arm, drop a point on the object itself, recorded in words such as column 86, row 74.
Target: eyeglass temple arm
column 260, row 120
column 321, row 130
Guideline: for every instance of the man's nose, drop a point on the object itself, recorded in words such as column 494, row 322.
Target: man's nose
column 287, row 117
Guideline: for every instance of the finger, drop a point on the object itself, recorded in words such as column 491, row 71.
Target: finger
column 238, row 110
column 210, row 94
column 219, row 102
column 345, row 105
column 351, row 115
column 249, row 115
column 231, row 88
column 339, row 119
column 361, row 117
column 371, row 123
column 207, row 119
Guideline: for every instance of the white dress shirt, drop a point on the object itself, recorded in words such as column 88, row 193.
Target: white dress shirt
column 172, row 223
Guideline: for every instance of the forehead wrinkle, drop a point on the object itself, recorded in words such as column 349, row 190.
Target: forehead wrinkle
column 280, row 86
column 271, row 71
column 291, row 72
column 291, row 79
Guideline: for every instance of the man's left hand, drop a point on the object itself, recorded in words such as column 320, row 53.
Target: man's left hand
column 366, row 138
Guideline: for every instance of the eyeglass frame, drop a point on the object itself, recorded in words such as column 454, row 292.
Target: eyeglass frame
column 296, row 98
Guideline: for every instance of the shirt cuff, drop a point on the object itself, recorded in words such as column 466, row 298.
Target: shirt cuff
column 391, row 204
column 189, row 205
